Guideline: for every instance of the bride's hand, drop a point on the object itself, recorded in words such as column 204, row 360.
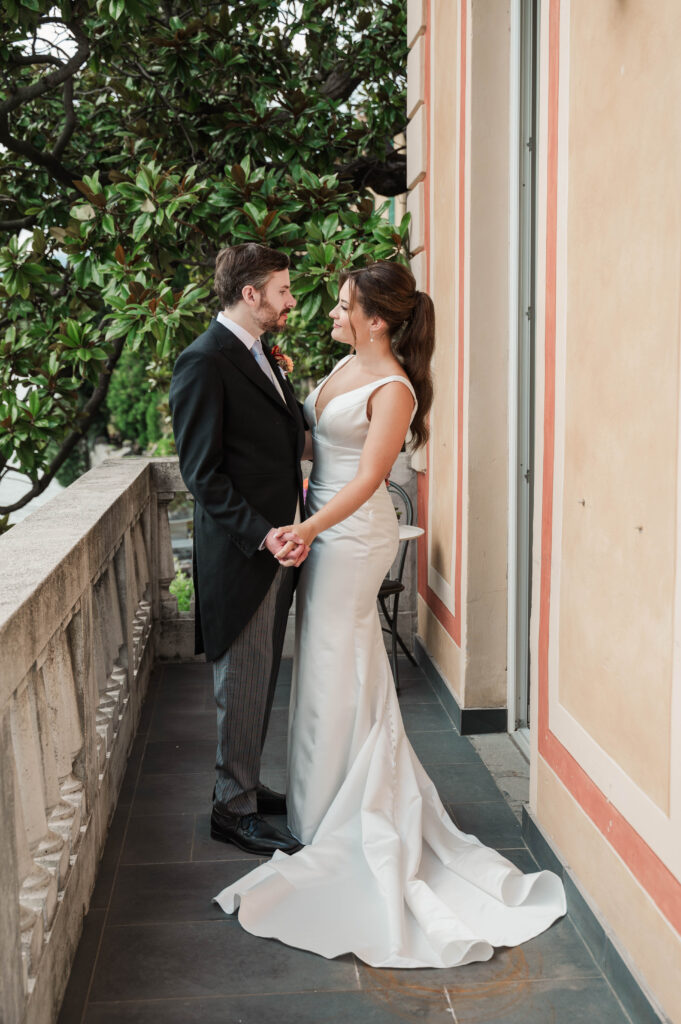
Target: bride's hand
column 294, row 535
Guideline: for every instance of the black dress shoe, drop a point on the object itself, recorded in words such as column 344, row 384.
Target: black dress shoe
column 270, row 802
column 250, row 832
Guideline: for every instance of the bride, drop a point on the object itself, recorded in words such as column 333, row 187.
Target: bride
column 385, row 873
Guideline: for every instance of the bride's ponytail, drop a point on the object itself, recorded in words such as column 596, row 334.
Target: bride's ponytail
column 388, row 290
column 413, row 345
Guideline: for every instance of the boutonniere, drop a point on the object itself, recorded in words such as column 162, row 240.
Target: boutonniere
column 284, row 362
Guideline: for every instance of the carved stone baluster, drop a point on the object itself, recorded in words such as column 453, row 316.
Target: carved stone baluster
column 117, row 685
column 126, row 576
column 37, row 886
column 64, row 719
column 13, row 967
column 115, row 621
column 141, row 559
column 80, row 636
column 106, row 718
column 49, row 855
column 164, row 556
column 61, row 815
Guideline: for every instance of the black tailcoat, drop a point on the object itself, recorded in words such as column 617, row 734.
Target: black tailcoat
column 240, row 448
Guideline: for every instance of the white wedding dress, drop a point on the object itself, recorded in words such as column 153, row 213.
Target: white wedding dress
column 385, row 873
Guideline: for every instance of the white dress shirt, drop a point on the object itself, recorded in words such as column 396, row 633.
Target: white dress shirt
column 248, row 340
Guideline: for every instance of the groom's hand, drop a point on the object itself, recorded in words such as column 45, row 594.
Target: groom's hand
column 296, row 552
column 294, row 549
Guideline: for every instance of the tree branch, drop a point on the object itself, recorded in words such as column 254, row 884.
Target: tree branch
column 53, row 78
column 386, row 177
column 87, row 416
column 17, row 224
column 26, row 60
column 340, row 84
column 27, row 149
column 69, row 121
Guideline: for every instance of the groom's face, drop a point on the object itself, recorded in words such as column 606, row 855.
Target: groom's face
column 274, row 302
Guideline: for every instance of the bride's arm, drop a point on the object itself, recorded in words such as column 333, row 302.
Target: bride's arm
column 391, row 410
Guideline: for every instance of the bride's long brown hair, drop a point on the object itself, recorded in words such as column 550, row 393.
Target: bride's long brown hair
column 388, row 290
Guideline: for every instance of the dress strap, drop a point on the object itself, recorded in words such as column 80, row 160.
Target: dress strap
column 388, row 380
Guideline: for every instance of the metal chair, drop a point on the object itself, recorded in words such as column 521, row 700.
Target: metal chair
column 392, row 586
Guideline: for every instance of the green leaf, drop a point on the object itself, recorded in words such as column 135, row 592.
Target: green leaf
column 83, row 212
column 330, row 225
column 108, row 224
column 39, row 242
column 141, row 226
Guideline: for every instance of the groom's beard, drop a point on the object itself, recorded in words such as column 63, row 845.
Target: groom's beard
column 269, row 319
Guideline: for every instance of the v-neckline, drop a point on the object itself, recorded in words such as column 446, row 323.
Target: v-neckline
column 350, row 391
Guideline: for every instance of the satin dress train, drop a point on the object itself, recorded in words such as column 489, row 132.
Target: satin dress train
column 385, row 873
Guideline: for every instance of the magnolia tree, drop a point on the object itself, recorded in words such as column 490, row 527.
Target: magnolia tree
column 137, row 137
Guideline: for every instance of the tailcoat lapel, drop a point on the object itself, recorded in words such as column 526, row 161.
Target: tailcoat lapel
column 283, row 381
column 238, row 354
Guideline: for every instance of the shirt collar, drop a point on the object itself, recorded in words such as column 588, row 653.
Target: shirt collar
column 241, row 332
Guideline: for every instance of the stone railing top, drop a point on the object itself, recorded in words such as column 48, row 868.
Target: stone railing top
column 48, row 558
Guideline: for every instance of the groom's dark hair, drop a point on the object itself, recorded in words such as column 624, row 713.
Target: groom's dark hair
column 239, row 265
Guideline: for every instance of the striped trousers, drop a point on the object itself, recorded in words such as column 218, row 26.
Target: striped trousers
column 244, row 679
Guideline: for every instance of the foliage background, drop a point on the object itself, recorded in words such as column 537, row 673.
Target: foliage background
column 137, row 137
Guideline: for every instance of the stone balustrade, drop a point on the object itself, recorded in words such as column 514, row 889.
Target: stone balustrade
column 85, row 612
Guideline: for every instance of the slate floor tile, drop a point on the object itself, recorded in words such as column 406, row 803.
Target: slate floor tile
column 176, row 793
column 108, row 865
column 274, row 753
column 129, row 784
column 443, row 747
column 168, row 955
column 186, row 724
column 146, row 714
column 558, row 953
column 282, row 697
column 179, row 697
column 182, row 672
column 158, row 839
column 522, row 859
column 285, row 672
column 579, row 1001
column 416, row 690
column 83, row 965
column 171, row 756
column 425, row 718
column 148, row 893
column 291, row 1008
column 493, row 822
column 465, row 784
column 208, row 958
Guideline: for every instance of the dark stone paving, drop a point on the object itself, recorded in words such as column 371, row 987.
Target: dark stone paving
column 156, row 950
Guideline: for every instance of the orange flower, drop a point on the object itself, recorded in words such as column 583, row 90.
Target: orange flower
column 284, row 361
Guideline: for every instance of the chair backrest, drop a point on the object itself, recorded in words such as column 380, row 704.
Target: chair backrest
column 395, row 489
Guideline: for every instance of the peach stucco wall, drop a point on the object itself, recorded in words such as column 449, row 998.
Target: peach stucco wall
column 462, row 614
column 606, row 618
column 606, row 690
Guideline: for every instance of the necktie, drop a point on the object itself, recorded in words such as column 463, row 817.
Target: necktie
column 262, row 362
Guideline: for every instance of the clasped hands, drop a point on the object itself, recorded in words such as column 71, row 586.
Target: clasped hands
column 290, row 544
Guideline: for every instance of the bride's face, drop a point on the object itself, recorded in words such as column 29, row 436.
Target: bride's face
column 343, row 323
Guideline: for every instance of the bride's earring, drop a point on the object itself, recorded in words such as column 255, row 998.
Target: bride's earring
column 371, row 338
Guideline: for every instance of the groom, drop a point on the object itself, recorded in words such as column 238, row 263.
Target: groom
column 240, row 434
